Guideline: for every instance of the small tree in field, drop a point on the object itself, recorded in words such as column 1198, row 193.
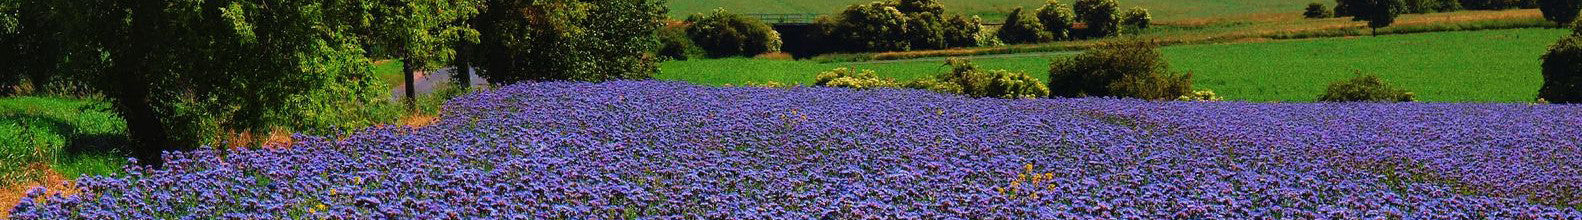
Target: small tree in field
column 1562, row 70
column 422, row 34
column 1378, row 13
column 1103, row 17
column 1562, row 12
column 1021, row 27
column 1057, row 18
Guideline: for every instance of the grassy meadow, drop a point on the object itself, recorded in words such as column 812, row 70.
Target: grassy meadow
column 1467, row 66
column 996, row 9
column 71, row 136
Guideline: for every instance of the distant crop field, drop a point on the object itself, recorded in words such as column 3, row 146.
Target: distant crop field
column 1469, row 66
column 995, row 9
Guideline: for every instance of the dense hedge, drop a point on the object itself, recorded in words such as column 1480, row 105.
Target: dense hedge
column 726, row 34
column 898, row 26
column 1364, row 88
column 1562, row 71
column 585, row 40
column 1118, row 69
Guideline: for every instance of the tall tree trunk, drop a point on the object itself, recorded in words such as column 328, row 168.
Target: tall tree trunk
column 411, row 88
column 147, row 132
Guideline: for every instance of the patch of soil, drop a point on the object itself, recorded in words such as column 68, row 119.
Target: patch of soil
column 51, row 180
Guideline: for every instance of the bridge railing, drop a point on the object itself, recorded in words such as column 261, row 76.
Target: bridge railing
column 806, row 18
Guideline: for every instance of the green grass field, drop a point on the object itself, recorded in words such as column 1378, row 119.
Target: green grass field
column 1469, row 66
column 71, row 136
column 995, row 9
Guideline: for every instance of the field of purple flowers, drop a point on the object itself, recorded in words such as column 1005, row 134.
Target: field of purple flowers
column 672, row 150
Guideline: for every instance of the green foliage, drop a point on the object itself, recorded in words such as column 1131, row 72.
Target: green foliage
column 1378, row 13
column 1020, row 27
column 1430, row 6
column 926, row 31
column 1058, row 19
column 1498, row 4
column 1562, row 12
column 74, row 137
column 1138, row 18
column 1562, row 71
column 872, row 27
column 965, row 78
column 581, row 40
column 675, row 44
column 852, row 78
column 422, row 34
column 725, row 34
column 1103, row 17
column 1365, row 88
column 961, row 31
column 1343, row 8
column 1317, row 10
column 178, row 72
column 920, row 6
column 1118, row 69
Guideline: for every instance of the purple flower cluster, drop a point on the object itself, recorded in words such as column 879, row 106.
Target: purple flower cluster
column 664, row 150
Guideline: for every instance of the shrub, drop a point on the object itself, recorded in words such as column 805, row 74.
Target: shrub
column 726, row 34
column 1118, row 69
column 1317, row 10
column 961, row 31
column 1562, row 12
column 1562, row 71
column 852, row 78
column 1058, row 19
column 675, row 45
column 965, row 78
column 1021, row 28
column 1364, row 88
column 1103, row 17
column 925, row 31
column 876, row 26
column 1138, row 18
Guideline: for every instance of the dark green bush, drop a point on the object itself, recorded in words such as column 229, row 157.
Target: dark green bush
column 1562, row 70
column 965, row 78
column 675, row 45
column 852, row 78
column 726, row 34
column 1058, row 19
column 1317, row 10
column 961, row 31
column 1103, row 17
column 876, row 26
column 1562, row 12
column 925, row 31
column 1343, row 9
column 1021, row 27
column 1118, row 69
column 1364, row 88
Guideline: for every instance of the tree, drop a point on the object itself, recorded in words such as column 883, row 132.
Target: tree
column 1562, row 12
column 584, row 40
column 1118, row 69
column 920, row 6
column 723, row 34
column 1562, row 71
column 1057, row 18
column 1343, row 8
column 179, row 72
column 877, row 26
column 423, row 34
column 1378, row 13
column 1021, row 28
column 1103, row 17
column 961, row 31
